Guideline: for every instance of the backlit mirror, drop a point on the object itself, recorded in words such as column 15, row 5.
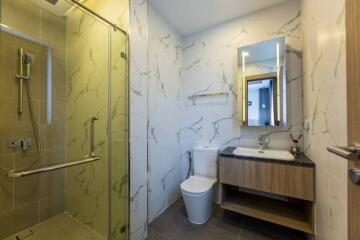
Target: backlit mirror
column 262, row 83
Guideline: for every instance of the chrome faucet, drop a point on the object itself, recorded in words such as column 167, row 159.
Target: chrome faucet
column 263, row 142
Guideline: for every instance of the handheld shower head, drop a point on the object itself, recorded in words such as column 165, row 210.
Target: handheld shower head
column 28, row 58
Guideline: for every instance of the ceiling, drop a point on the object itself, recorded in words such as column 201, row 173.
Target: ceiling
column 190, row 16
column 60, row 8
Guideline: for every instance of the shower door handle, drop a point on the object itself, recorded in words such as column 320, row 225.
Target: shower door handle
column 92, row 136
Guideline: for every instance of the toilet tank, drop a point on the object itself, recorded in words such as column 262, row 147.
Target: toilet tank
column 204, row 161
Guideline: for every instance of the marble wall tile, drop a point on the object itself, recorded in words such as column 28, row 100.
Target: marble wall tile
column 88, row 187
column 182, row 66
column 164, row 109
column 209, row 67
column 324, row 100
column 87, row 97
column 138, row 119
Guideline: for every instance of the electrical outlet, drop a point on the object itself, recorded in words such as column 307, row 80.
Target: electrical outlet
column 306, row 125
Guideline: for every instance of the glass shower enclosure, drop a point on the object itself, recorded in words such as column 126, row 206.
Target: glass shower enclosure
column 64, row 156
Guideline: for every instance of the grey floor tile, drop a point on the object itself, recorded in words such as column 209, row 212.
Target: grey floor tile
column 170, row 221
column 229, row 221
column 154, row 235
column 223, row 225
column 203, row 232
column 254, row 229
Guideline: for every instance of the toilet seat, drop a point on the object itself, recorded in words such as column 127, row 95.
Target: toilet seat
column 197, row 185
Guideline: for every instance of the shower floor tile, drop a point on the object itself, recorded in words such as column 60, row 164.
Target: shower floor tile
column 60, row 227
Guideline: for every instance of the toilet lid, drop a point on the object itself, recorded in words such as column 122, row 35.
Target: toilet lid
column 197, row 185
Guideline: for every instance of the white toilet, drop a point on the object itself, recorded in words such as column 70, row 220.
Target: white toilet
column 198, row 190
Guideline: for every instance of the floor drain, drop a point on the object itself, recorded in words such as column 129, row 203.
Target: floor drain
column 24, row 234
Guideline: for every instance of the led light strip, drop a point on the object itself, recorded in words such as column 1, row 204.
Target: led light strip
column 244, row 55
column 278, row 82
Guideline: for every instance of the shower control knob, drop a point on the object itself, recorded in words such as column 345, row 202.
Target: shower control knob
column 24, row 144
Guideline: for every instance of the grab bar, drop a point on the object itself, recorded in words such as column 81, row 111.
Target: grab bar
column 92, row 158
column 51, row 168
column 92, row 136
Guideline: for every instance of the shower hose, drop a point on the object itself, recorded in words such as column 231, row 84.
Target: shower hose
column 35, row 129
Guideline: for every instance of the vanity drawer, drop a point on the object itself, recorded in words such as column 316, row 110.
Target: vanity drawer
column 283, row 179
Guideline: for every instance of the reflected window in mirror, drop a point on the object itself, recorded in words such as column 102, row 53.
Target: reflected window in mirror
column 261, row 101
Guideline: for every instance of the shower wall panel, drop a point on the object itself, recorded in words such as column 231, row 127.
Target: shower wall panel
column 30, row 200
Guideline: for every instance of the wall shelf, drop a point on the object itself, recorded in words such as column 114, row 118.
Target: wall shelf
column 215, row 94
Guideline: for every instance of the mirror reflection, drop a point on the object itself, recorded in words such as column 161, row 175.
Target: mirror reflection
column 262, row 79
column 261, row 102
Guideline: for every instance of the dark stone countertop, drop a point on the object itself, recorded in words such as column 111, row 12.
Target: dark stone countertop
column 300, row 160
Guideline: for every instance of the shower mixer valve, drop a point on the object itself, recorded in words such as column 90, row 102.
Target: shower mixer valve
column 24, row 144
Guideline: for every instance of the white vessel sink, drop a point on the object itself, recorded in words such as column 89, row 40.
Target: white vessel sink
column 265, row 154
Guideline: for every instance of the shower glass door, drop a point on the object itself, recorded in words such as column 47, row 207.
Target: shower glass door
column 67, row 71
column 119, row 135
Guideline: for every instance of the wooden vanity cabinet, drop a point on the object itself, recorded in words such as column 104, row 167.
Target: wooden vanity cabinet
column 283, row 179
column 277, row 192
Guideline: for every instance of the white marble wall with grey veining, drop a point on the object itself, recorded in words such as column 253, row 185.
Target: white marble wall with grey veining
column 166, row 112
column 210, row 66
column 180, row 67
column 138, row 119
column 324, row 100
